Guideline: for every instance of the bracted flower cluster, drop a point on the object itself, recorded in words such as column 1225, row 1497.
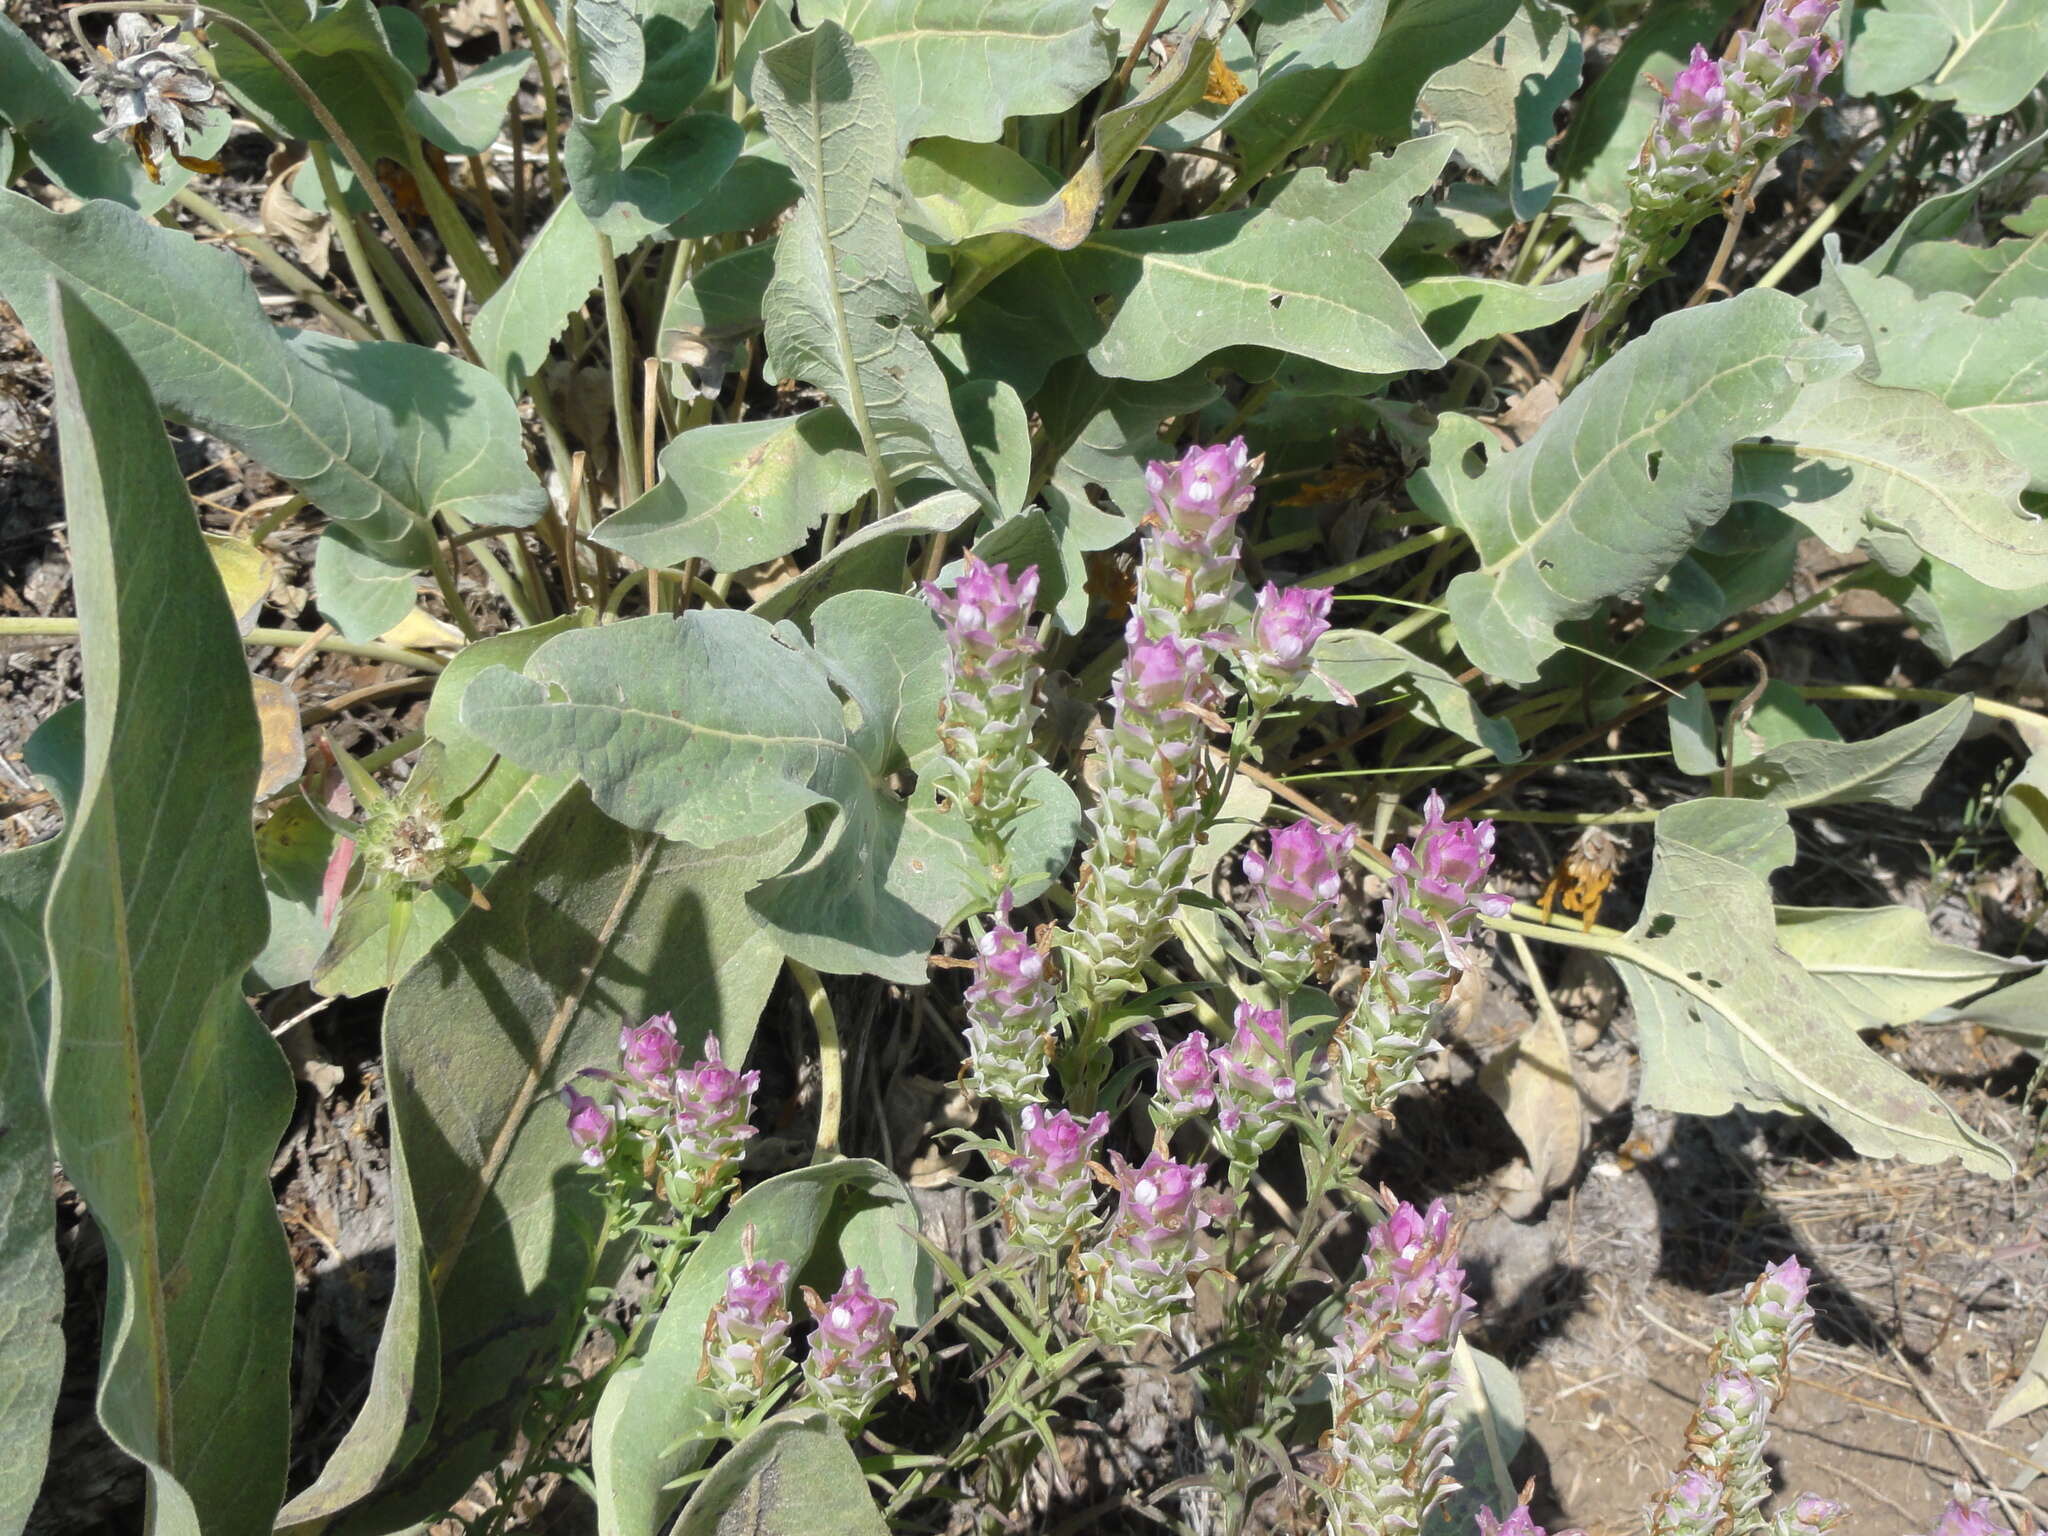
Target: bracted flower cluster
column 1285, row 628
column 1969, row 1517
column 852, row 1362
column 1390, row 1376
column 1148, row 812
column 685, row 1125
column 1010, row 1014
column 1253, row 1082
column 746, row 1337
column 1810, row 1515
column 991, row 705
column 1518, row 1523
column 1188, row 574
column 1433, row 906
column 1751, row 1366
column 1187, row 1081
column 1294, row 894
column 1046, row 1191
column 1721, row 123
column 1137, row 1275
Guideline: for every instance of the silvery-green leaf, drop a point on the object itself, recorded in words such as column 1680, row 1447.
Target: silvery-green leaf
column 468, row 119
column 1456, row 311
column 1365, row 665
column 962, row 190
column 740, row 493
column 610, row 49
column 31, row 1284
column 757, row 188
column 679, row 42
column 870, row 557
column 1615, row 486
column 1885, row 963
column 1729, row 1018
column 519, row 323
column 365, row 589
column 1804, row 764
column 962, row 70
column 631, row 192
column 794, row 1476
column 1986, row 56
column 717, row 306
column 1496, row 103
column 1922, row 247
column 843, row 311
column 1374, row 203
column 342, row 51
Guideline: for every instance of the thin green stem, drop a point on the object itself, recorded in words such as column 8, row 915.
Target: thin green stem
column 259, row 250
column 61, row 631
column 468, row 254
column 830, row 1079
column 352, row 243
column 1827, row 218
column 1337, row 575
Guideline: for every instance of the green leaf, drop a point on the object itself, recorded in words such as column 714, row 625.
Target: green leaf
column 1613, row 489
column 1176, row 293
column 679, row 39
column 961, row 70
column 2018, row 1012
column 998, row 435
column 2024, row 807
column 717, row 306
column 1986, row 56
column 1885, row 963
column 610, row 48
column 718, row 727
column 498, row 1224
column 794, row 1476
column 467, row 119
column 1456, row 310
column 1899, row 474
column 757, row 188
column 366, row 588
column 1372, row 204
column 964, row 190
column 1364, row 664
column 740, row 493
column 31, row 1284
column 2029, row 1393
column 167, row 1095
column 1892, row 769
column 378, row 434
column 870, row 558
column 1497, row 103
column 517, row 325
column 1956, row 613
column 495, row 802
column 39, row 99
column 341, row 51
column 650, row 1407
column 1921, row 248
column 844, row 312
column 1728, row 1017
column 631, row 192
column 292, row 849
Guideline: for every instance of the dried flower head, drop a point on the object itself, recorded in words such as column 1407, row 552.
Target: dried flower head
column 151, row 90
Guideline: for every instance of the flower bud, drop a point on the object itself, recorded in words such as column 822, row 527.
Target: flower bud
column 650, row 1051
column 1775, row 69
column 991, row 704
column 591, row 1125
column 1046, row 1192
column 852, row 1361
column 1187, row 1081
column 1810, row 1515
column 1136, row 1277
column 1252, row 1082
column 746, row 1338
column 1285, row 629
column 707, row 1126
column 1294, row 893
column 1518, row 1523
column 1772, row 1320
column 1970, row 1517
column 1390, row 1376
column 1188, row 574
column 1691, row 1506
column 1010, row 1014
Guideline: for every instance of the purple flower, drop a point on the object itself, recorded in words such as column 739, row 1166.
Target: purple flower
column 1776, row 68
column 1285, row 629
column 1698, row 87
column 1691, row 1506
column 1166, row 673
column 1188, row 574
column 650, row 1051
column 1446, row 863
column 1294, row 892
column 1010, row 1013
column 1187, row 1080
column 1252, row 1081
column 1137, row 1277
column 1812, row 1515
column 1518, row 1523
column 1204, row 489
column 1969, row 1517
column 986, row 611
column 991, row 704
column 1390, row 1374
column 1047, row 1193
column 590, row 1126
column 746, row 1336
column 708, row 1110
column 852, row 1362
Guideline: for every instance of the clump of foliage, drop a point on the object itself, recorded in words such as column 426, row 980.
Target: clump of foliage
column 851, row 477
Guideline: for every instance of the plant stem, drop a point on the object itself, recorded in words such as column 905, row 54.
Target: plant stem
column 61, row 631
column 352, row 242
column 1826, row 219
column 829, row 1067
column 259, row 250
column 1336, row 575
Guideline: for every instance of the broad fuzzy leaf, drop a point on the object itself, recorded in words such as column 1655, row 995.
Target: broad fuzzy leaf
column 638, row 1433
column 1365, row 665
column 556, row 274
column 1986, row 56
column 167, row 1095
column 341, row 51
column 1612, row 490
column 1885, row 963
column 843, row 310
column 593, row 925
column 31, row 1284
column 1456, row 310
column 1498, row 102
column 793, row 1476
column 739, row 493
column 378, row 434
column 468, row 119
column 1728, row 1017
column 632, row 192
column 1893, row 768
column 962, row 70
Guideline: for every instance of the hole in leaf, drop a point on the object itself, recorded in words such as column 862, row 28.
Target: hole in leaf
column 1654, row 463
column 1662, row 924
column 1274, row 300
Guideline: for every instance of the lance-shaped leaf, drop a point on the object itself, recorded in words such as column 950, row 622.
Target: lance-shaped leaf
column 793, row 1476
column 167, row 1096
column 822, row 1219
column 1365, row 665
column 1788, row 753
column 1456, row 310
column 593, row 926
column 1922, row 249
column 1986, row 56
column 467, row 119
column 1898, row 473
column 378, row 434
column 843, row 310
column 1497, row 103
column 1885, row 963
column 1614, row 487
column 1728, row 1017
column 738, row 493
column 31, row 1285
column 557, row 273
column 962, row 70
